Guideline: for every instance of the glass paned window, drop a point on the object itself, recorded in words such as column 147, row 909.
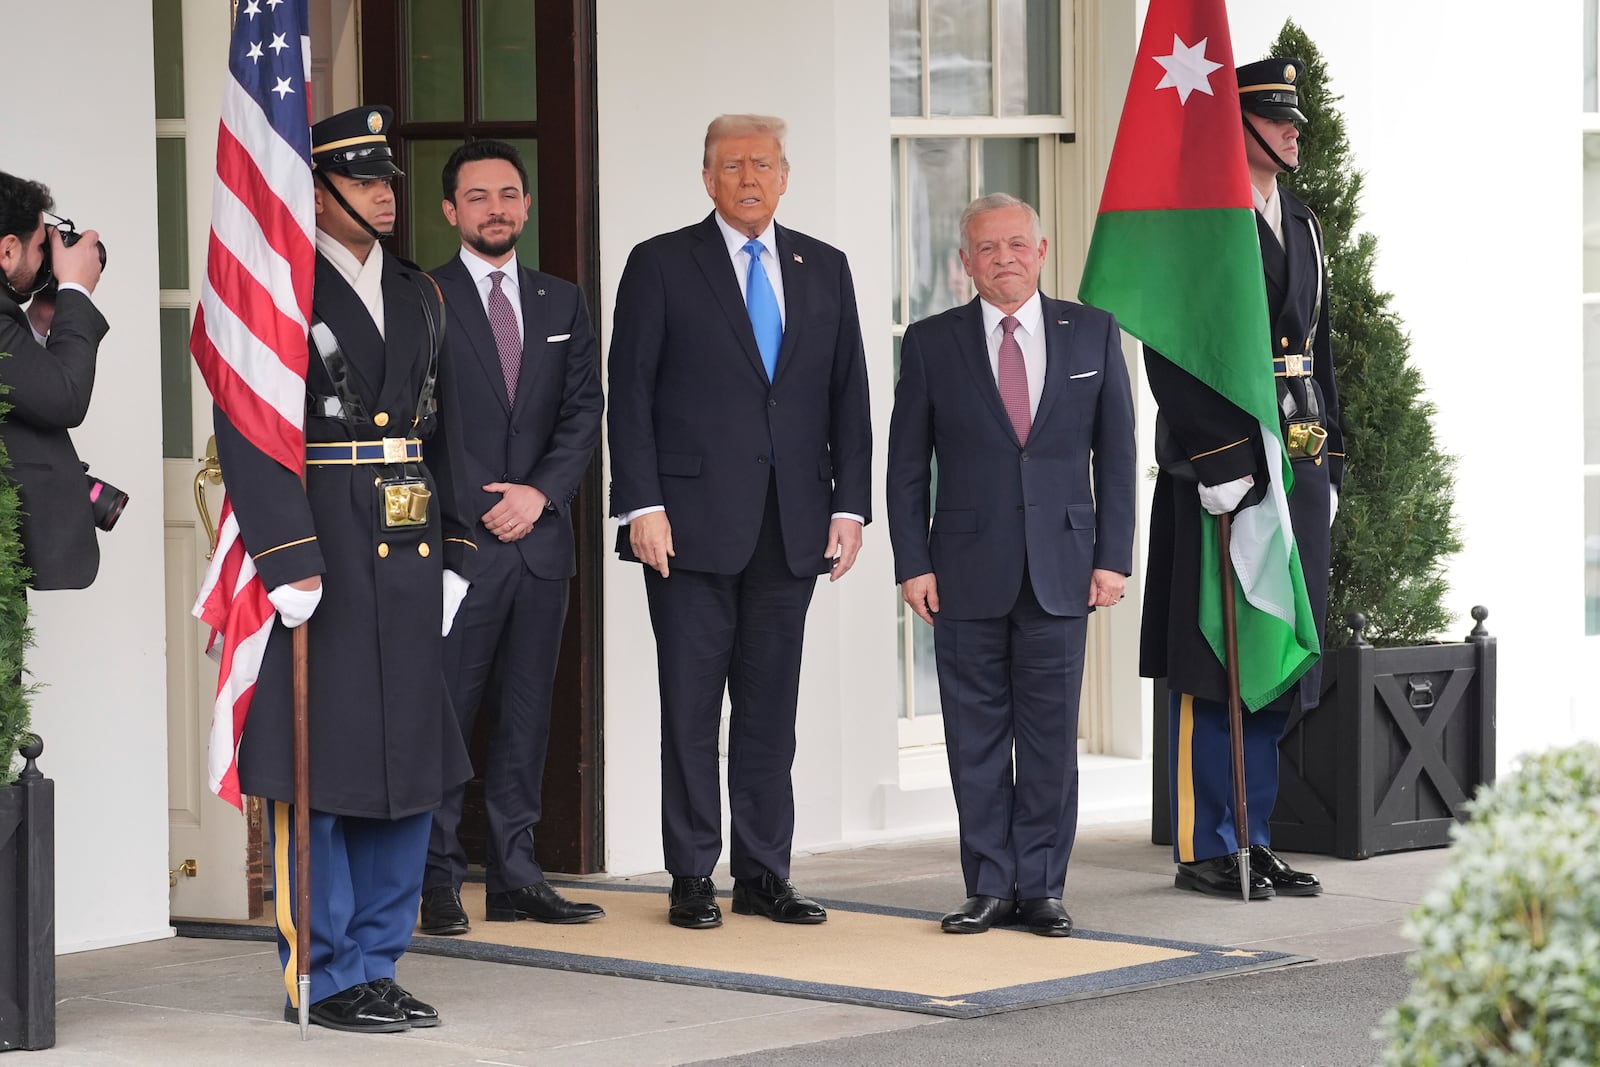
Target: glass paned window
column 172, row 213
column 433, row 240
column 1030, row 57
column 938, row 188
column 1011, row 165
column 1591, row 384
column 1591, row 555
column 506, row 60
column 895, row 256
column 177, row 413
column 167, row 16
column 1591, row 212
column 433, row 33
column 528, row 243
column 905, row 57
column 1591, row 52
column 959, row 63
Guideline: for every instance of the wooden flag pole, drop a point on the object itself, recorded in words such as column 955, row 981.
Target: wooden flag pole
column 1230, row 640
column 302, row 827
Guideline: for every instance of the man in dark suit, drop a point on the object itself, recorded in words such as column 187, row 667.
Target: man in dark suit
column 1210, row 452
column 381, row 529
column 1018, row 398
column 741, row 461
column 522, row 371
column 48, row 373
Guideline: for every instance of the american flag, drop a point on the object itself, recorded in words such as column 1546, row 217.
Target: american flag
column 249, row 338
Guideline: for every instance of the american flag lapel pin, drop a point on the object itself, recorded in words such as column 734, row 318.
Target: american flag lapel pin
column 797, row 257
column 1062, row 322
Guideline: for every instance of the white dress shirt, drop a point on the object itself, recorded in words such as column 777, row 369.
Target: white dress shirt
column 1030, row 337
column 511, row 284
column 365, row 278
column 1271, row 209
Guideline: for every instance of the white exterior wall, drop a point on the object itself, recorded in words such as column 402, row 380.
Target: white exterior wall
column 88, row 132
column 662, row 77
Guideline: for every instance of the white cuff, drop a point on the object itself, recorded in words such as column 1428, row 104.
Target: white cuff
column 848, row 515
column 628, row 516
column 1333, row 504
column 64, row 286
column 295, row 606
column 1222, row 499
column 455, row 591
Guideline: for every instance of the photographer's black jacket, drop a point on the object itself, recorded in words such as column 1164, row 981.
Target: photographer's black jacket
column 384, row 741
column 48, row 388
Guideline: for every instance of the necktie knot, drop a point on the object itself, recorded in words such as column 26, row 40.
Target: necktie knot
column 497, row 276
column 1009, row 324
column 754, row 248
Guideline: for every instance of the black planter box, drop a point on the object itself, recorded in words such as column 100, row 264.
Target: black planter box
column 28, row 909
column 1401, row 741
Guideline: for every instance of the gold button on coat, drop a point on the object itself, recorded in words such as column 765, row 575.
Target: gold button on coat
column 1283, row 341
column 422, row 549
column 382, row 417
column 383, row 550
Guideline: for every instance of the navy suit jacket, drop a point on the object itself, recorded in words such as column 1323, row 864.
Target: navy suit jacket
column 1002, row 505
column 695, row 425
column 546, row 438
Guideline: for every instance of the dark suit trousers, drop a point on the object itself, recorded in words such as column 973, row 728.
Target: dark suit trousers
column 509, row 627
column 1011, row 684
column 740, row 632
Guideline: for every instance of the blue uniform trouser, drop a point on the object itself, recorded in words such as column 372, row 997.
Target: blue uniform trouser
column 366, row 883
column 1200, row 767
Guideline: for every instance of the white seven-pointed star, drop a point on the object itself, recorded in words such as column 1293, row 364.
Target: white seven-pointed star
column 253, row 8
column 1188, row 69
column 279, row 44
column 283, row 88
column 255, row 50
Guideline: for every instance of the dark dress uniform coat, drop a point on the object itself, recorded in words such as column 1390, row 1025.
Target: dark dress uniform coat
column 384, row 741
column 48, row 387
column 1202, row 436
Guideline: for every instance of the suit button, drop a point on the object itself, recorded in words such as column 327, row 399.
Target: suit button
column 515, row 430
column 761, row 459
column 1024, row 457
column 381, row 419
column 772, row 402
column 1020, row 509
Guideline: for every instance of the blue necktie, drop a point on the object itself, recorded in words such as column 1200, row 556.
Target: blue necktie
column 762, row 304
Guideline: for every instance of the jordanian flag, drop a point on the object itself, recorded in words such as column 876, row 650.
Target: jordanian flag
column 1175, row 257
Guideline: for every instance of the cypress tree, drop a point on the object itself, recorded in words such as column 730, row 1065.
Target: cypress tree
column 1395, row 527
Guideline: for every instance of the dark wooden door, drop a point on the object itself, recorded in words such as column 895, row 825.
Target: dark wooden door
column 521, row 71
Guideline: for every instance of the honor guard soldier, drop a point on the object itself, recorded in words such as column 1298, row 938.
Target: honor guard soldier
column 1221, row 445
column 381, row 531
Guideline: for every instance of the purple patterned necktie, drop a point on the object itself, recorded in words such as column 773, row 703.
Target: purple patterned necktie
column 503, row 320
column 1014, row 380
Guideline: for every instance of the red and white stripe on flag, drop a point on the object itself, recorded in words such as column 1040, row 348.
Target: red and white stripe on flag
column 249, row 337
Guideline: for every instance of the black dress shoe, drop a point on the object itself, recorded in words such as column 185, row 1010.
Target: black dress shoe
column 539, row 901
column 1220, row 878
column 1045, row 916
column 692, row 904
column 442, row 912
column 1285, row 879
column 358, row 1010
column 416, row 1012
column 977, row 914
column 777, row 899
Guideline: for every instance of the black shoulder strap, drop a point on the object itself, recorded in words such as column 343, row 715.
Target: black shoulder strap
column 326, row 345
column 433, row 311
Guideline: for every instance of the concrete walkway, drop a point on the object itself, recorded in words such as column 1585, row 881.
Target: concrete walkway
column 219, row 1002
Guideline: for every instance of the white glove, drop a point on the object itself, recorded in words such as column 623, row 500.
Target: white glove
column 1222, row 499
column 295, row 605
column 1333, row 505
column 455, row 591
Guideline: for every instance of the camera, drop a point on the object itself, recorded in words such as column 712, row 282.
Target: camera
column 45, row 280
column 106, row 501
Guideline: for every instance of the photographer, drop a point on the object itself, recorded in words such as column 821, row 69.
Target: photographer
column 47, row 358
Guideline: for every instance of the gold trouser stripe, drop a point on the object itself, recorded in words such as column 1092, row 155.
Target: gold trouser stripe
column 283, row 899
column 286, row 544
column 1224, row 448
column 1186, row 779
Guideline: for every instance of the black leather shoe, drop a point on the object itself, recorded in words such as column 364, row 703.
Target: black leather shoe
column 358, row 1010
column 442, row 912
column 1220, row 878
column 416, row 1012
column 692, row 904
column 1045, row 916
column 1285, row 879
column 977, row 914
column 777, row 899
column 539, row 901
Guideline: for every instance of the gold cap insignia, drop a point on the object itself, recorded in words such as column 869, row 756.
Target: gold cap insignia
column 1288, row 76
column 374, row 122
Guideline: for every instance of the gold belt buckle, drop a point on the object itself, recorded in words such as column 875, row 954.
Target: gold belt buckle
column 405, row 504
column 394, row 449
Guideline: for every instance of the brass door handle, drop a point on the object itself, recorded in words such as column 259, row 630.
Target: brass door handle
column 210, row 471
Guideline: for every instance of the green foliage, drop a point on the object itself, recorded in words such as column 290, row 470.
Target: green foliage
column 1507, row 970
column 15, row 635
column 1395, row 526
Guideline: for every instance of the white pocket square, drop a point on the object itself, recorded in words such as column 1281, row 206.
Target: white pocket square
column 1085, row 374
column 568, row 337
